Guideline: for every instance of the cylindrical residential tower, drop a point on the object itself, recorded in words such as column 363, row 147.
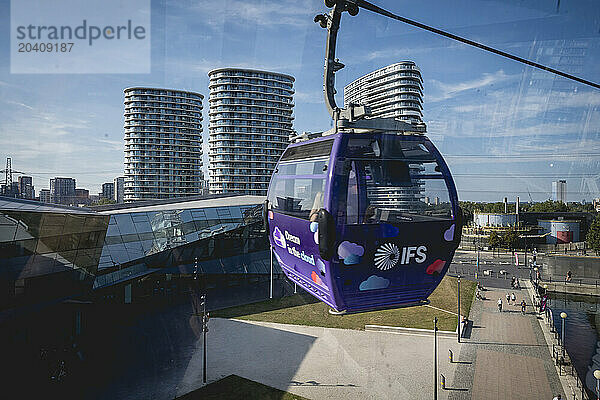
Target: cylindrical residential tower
column 395, row 91
column 250, row 122
column 163, row 143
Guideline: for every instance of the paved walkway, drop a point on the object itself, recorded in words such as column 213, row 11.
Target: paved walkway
column 323, row 363
column 504, row 356
column 508, row 355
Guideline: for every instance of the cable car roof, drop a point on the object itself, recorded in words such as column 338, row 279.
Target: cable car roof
column 371, row 125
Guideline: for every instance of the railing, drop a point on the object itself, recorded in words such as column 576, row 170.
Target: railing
column 563, row 361
column 573, row 281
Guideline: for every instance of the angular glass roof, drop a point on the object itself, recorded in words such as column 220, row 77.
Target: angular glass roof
column 12, row 204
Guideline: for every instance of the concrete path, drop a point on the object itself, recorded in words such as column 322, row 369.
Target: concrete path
column 504, row 356
column 508, row 353
column 323, row 363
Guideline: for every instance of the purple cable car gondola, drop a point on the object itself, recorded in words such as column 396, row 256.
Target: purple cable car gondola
column 364, row 216
column 364, row 220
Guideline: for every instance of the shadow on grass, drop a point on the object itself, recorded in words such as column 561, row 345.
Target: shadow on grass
column 265, row 306
column 234, row 387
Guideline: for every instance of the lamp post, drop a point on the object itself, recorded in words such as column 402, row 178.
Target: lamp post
column 536, row 278
column 563, row 316
column 597, row 376
column 205, row 317
column 458, row 312
column 525, row 237
column 435, row 389
column 271, row 283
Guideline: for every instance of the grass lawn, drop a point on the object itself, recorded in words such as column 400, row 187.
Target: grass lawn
column 234, row 387
column 303, row 309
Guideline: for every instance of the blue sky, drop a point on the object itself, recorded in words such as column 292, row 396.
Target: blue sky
column 505, row 129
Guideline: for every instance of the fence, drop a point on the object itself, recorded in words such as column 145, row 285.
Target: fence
column 563, row 361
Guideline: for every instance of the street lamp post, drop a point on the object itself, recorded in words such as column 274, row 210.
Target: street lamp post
column 458, row 312
column 597, row 376
column 271, row 283
column 435, row 389
column 563, row 316
column 525, row 237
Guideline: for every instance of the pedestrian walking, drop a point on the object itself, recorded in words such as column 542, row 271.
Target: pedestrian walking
column 507, row 298
column 557, row 397
column 513, row 298
column 569, row 276
column 523, row 306
column 499, row 304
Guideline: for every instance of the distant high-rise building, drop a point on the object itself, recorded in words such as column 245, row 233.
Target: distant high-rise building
column 11, row 190
column 82, row 196
column 559, row 191
column 108, row 191
column 45, row 196
column 26, row 187
column 62, row 190
column 250, row 125
column 119, row 184
column 163, row 143
column 395, row 91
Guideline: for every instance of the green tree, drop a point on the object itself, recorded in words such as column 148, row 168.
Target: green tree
column 104, row 201
column 549, row 206
column 593, row 235
column 495, row 240
column 511, row 239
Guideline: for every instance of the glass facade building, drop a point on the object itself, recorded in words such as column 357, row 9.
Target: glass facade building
column 204, row 236
column 66, row 272
column 395, row 91
column 163, row 143
column 47, row 252
column 250, row 125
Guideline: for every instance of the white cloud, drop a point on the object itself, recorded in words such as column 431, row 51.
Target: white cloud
column 16, row 103
column 267, row 13
column 451, row 90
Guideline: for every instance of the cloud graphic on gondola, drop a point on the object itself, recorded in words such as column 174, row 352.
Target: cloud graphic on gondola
column 278, row 238
column 350, row 252
column 316, row 278
column 374, row 282
column 352, row 259
column 436, row 267
column 387, row 256
column 321, row 266
column 314, row 227
column 449, row 234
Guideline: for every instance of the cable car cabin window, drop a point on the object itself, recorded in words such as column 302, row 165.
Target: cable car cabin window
column 392, row 180
column 297, row 188
column 309, row 150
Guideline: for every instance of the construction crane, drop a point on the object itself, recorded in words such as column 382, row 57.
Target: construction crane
column 8, row 177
